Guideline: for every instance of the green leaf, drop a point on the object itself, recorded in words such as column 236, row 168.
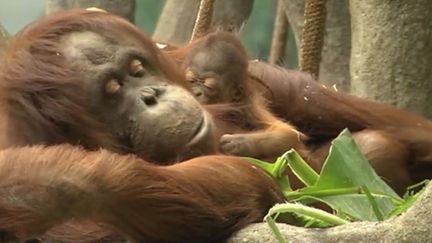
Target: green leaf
column 277, row 170
column 410, row 198
column 347, row 182
column 344, row 173
column 301, row 169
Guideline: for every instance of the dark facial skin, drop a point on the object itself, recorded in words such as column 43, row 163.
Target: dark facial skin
column 216, row 70
column 151, row 116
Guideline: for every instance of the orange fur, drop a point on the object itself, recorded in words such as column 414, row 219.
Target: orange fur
column 264, row 135
column 65, row 193
column 397, row 143
column 46, row 186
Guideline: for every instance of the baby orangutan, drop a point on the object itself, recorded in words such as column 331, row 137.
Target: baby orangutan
column 217, row 68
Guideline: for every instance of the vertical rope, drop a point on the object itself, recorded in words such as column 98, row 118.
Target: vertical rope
column 280, row 35
column 203, row 20
column 312, row 36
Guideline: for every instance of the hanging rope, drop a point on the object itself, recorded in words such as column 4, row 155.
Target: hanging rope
column 203, row 20
column 280, row 35
column 312, row 36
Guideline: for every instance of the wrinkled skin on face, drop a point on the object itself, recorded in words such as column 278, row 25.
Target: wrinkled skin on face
column 145, row 111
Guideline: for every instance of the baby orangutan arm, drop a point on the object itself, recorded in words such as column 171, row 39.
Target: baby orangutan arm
column 200, row 200
column 275, row 138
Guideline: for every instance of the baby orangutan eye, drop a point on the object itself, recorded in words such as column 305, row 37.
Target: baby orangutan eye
column 190, row 76
column 136, row 68
column 210, row 83
column 112, row 87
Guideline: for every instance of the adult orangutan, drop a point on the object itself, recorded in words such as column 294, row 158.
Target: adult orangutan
column 94, row 81
column 397, row 144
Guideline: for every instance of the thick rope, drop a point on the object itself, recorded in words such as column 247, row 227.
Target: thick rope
column 312, row 36
column 280, row 35
column 203, row 20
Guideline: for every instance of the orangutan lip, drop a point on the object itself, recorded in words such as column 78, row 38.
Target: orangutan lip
column 202, row 130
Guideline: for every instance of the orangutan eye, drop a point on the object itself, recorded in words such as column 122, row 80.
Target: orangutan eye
column 190, row 76
column 210, row 83
column 112, row 87
column 136, row 68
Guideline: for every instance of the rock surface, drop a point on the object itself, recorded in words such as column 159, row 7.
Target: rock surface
column 413, row 226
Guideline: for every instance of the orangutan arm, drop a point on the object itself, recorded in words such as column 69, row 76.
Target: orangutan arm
column 322, row 111
column 199, row 200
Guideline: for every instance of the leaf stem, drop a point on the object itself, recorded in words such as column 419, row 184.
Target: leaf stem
column 307, row 211
column 272, row 224
column 301, row 168
column 373, row 203
column 323, row 193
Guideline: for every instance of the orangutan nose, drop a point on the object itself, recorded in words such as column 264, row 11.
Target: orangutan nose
column 150, row 95
column 197, row 93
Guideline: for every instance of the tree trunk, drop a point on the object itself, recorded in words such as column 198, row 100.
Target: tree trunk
column 392, row 52
column 4, row 37
column 178, row 17
column 334, row 67
column 123, row 8
column 280, row 35
column 412, row 226
column 176, row 21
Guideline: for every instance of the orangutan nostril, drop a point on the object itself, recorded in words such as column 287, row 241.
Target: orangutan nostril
column 149, row 100
column 149, row 95
column 198, row 93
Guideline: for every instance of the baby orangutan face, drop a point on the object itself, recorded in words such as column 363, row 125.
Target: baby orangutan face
column 217, row 70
